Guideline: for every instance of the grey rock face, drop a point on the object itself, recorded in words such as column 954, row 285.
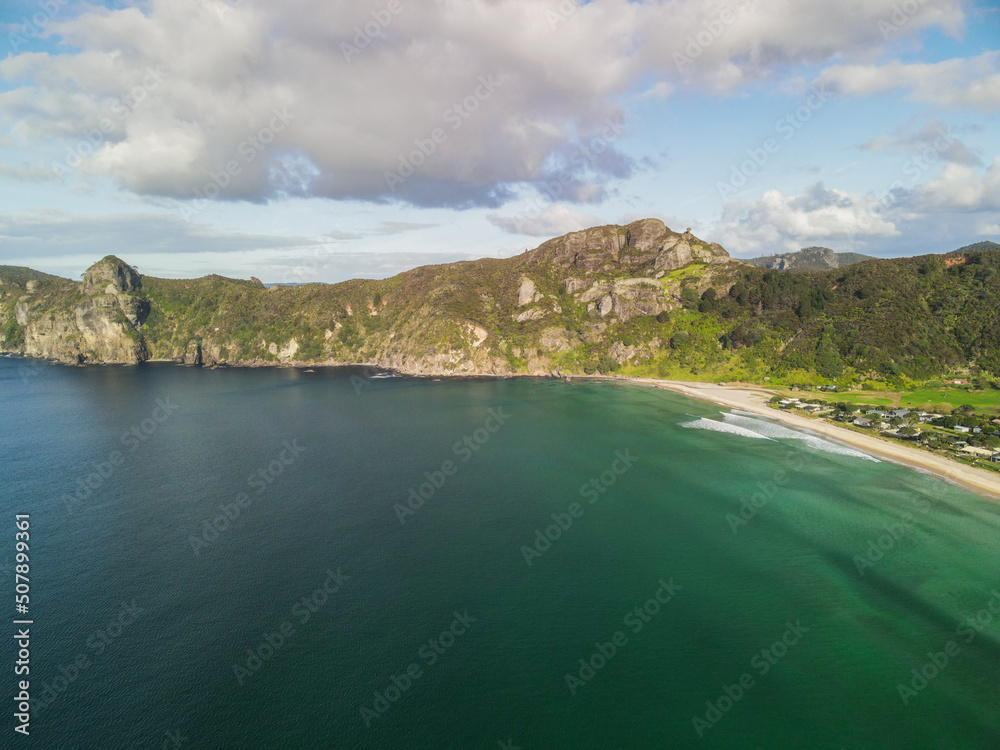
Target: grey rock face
column 646, row 243
column 111, row 276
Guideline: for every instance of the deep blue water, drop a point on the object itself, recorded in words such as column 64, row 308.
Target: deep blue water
column 172, row 591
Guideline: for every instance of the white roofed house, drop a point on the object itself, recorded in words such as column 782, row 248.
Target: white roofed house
column 973, row 450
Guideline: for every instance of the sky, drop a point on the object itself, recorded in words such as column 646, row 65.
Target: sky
column 323, row 140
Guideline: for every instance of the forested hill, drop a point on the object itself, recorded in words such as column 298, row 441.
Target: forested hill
column 637, row 299
column 809, row 259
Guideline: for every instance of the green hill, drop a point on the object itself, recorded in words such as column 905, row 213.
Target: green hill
column 638, row 299
column 809, row 259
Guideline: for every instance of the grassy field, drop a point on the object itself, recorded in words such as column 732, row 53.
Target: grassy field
column 928, row 399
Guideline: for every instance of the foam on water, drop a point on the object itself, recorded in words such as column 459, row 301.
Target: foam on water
column 775, row 431
column 749, row 425
column 732, row 429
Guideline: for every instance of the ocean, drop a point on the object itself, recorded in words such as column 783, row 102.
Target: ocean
column 275, row 558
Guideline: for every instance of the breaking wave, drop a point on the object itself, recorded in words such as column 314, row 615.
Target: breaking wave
column 749, row 425
column 732, row 429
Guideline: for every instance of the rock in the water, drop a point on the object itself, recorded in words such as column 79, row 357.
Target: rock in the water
column 192, row 353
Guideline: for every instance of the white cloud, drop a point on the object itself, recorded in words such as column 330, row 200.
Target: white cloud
column 661, row 90
column 41, row 234
column 26, row 172
column 934, row 141
column 66, row 244
column 552, row 221
column 959, row 188
column 961, row 82
column 366, row 90
column 776, row 223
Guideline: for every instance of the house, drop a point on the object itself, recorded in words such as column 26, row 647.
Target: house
column 812, row 408
column 959, row 444
column 788, row 403
column 962, row 428
column 862, row 422
column 877, row 413
column 925, row 417
column 899, row 413
column 974, row 451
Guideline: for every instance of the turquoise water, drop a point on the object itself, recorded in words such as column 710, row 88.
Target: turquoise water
column 434, row 631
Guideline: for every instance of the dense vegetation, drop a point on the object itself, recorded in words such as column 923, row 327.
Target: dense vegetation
column 881, row 323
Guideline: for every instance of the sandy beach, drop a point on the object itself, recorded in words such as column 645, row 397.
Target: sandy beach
column 754, row 399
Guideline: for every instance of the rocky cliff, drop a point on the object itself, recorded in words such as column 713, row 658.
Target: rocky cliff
column 520, row 314
column 96, row 320
column 640, row 298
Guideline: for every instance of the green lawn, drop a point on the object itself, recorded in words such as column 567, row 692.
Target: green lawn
column 983, row 401
column 928, row 399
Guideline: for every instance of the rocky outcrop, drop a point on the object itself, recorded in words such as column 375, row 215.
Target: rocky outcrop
column 97, row 320
column 111, row 275
column 646, row 244
column 626, row 298
column 493, row 316
column 527, row 293
column 192, row 354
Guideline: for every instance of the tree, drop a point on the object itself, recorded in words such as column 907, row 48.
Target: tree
column 909, row 430
column 606, row 364
column 689, row 297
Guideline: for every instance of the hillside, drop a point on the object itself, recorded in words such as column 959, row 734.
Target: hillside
column 640, row 299
column 977, row 247
column 21, row 276
column 809, row 259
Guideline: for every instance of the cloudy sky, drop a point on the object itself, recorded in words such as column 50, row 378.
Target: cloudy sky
column 328, row 139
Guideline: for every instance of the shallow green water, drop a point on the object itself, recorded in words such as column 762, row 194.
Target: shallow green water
column 671, row 476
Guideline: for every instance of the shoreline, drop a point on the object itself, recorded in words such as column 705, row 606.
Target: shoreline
column 754, row 398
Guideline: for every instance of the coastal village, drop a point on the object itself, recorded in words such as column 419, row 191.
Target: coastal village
column 963, row 434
